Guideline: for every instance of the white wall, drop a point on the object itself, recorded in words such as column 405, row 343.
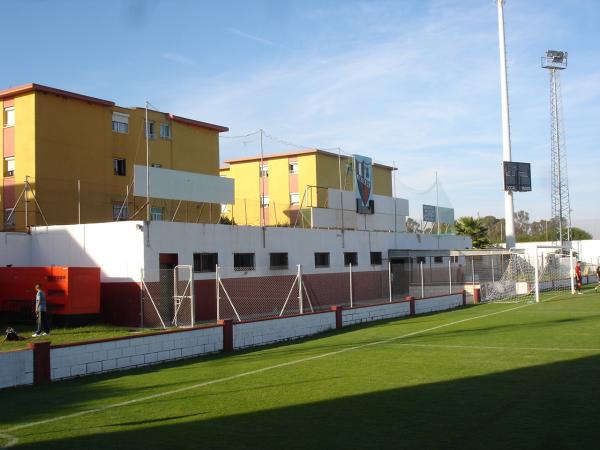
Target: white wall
column 251, row 334
column 588, row 250
column 429, row 305
column 118, row 354
column 300, row 244
column 16, row 368
column 15, row 249
column 116, row 247
column 372, row 313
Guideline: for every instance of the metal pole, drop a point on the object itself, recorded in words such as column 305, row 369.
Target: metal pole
column 473, row 271
column 192, row 300
column 572, row 271
column 147, row 166
column 351, row 296
column 390, row 279
column 450, row 274
column 341, row 193
column 537, row 275
column 142, row 297
column 493, row 280
column 557, row 162
column 26, row 212
column 506, row 146
column 422, row 286
column 437, row 203
column 218, row 291
column 79, row 202
column 300, row 299
column 262, row 182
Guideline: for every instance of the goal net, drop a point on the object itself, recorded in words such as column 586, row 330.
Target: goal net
column 529, row 275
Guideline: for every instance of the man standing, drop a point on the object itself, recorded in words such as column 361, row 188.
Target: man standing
column 578, row 278
column 41, row 313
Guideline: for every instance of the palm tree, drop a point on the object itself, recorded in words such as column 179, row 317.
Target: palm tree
column 475, row 229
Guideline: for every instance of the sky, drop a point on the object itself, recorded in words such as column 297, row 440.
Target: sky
column 413, row 83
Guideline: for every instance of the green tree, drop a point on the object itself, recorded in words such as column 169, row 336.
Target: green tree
column 475, row 229
column 577, row 234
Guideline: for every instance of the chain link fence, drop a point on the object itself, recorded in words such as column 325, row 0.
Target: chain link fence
column 168, row 302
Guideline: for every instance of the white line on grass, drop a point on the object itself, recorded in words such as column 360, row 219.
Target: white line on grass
column 13, row 440
column 492, row 347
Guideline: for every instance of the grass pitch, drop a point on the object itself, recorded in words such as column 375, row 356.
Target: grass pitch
column 492, row 376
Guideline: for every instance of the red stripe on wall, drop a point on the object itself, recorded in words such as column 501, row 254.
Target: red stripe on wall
column 8, row 142
column 8, row 192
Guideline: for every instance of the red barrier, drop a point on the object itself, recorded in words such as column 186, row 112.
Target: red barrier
column 69, row 290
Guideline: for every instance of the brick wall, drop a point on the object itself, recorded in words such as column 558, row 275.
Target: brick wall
column 377, row 312
column 16, row 368
column 250, row 334
column 76, row 360
column 428, row 305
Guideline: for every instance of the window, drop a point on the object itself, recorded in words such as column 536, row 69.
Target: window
column 376, row 259
column 293, row 167
column 294, row 199
column 350, row 258
column 119, row 167
column 321, row 259
column 243, row 261
column 9, row 223
column 264, row 202
column 118, row 213
column 205, row 262
column 165, row 131
column 151, row 134
column 120, row 122
column 438, row 259
column 157, row 213
column 421, row 260
column 264, row 170
column 9, row 164
column 156, row 165
column 279, row 260
column 9, row 117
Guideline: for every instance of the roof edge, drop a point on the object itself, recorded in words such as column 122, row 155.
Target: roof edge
column 34, row 87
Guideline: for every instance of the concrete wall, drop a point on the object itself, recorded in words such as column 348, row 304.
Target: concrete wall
column 15, row 249
column 16, row 368
column 588, row 250
column 118, row 354
column 372, row 313
column 428, row 305
column 300, row 244
column 116, row 247
column 263, row 332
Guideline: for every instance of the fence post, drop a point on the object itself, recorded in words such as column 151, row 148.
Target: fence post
column 351, row 297
column 493, row 279
column 218, row 291
column 473, row 271
column 536, row 275
column 572, row 274
column 422, row 286
column 142, row 297
column 390, row 279
column 450, row 275
column 300, row 299
column 193, row 298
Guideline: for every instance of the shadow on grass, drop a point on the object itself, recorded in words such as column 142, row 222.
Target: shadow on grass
column 550, row 406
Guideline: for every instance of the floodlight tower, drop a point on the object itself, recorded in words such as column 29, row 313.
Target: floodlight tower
column 509, row 209
column 555, row 61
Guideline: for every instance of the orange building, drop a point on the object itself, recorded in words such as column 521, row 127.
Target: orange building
column 69, row 158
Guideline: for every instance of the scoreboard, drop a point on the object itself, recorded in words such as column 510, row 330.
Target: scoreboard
column 517, row 176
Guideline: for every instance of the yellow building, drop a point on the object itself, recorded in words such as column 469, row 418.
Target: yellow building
column 77, row 154
column 291, row 182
